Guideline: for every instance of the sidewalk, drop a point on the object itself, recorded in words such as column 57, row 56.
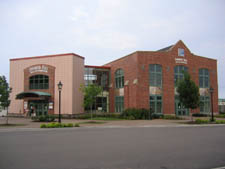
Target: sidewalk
column 28, row 123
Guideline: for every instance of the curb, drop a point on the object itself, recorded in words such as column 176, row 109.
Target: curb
column 110, row 127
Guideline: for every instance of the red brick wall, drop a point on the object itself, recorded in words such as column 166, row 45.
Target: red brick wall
column 136, row 66
column 51, row 89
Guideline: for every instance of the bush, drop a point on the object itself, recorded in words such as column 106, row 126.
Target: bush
column 135, row 114
column 96, row 115
column 170, row 117
column 56, row 125
column 220, row 121
column 76, row 125
column 220, row 115
column 157, row 116
column 43, row 126
column 199, row 115
column 43, row 118
column 201, row 121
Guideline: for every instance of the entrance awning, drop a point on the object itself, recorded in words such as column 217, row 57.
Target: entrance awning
column 32, row 94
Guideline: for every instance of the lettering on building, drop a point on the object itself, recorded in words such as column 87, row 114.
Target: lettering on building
column 181, row 60
column 41, row 68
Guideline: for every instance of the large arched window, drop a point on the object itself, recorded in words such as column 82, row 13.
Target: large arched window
column 203, row 78
column 39, row 82
column 155, row 75
column 179, row 73
column 119, row 78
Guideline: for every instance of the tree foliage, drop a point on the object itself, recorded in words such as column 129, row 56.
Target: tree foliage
column 90, row 93
column 5, row 91
column 188, row 92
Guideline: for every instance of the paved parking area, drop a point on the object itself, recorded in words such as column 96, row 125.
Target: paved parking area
column 113, row 148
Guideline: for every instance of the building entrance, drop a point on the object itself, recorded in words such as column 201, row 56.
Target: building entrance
column 40, row 107
column 180, row 110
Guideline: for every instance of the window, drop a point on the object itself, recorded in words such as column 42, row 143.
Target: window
column 119, row 102
column 204, row 104
column 119, row 78
column 155, row 75
column 180, row 52
column 203, row 78
column 156, row 104
column 179, row 73
column 39, row 82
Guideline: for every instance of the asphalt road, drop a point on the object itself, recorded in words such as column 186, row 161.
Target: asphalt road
column 113, row 148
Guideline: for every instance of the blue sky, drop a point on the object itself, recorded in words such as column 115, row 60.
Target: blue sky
column 104, row 30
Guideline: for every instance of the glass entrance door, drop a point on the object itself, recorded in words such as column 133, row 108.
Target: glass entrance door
column 180, row 110
column 39, row 106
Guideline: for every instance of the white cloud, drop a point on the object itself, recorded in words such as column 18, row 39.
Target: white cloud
column 79, row 13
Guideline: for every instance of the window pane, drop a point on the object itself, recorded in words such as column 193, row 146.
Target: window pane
column 152, row 68
column 152, row 107
column 159, row 107
column 200, row 81
column 39, row 82
column 158, row 80
column 158, row 68
column 159, row 98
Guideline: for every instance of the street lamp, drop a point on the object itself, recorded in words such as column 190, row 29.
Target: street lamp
column 60, row 89
column 211, row 93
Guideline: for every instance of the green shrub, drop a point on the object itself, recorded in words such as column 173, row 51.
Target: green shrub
column 43, row 118
column 76, row 125
column 69, row 125
column 43, row 126
column 199, row 115
column 201, row 121
column 135, row 114
column 220, row 121
column 157, row 116
column 220, row 115
column 57, row 125
column 96, row 115
column 171, row 117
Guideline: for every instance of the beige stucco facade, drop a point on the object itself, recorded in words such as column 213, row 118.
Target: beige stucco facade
column 69, row 69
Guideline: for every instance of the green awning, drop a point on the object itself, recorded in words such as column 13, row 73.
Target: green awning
column 32, row 94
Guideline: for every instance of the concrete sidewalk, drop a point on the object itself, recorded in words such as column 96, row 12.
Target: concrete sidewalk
column 19, row 122
column 28, row 123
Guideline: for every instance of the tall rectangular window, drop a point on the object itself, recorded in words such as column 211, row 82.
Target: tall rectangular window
column 119, row 104
column 155, row 75
column 203, row 78
column 156, row 104
column 179, row 73
column 204, row 104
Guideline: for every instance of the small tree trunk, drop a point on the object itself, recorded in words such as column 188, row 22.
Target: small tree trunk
column 91, row 112
column 7, row 116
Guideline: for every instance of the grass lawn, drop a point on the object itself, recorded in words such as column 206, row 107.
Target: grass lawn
column 105, row 118
column 93, row 122
column 12, row 125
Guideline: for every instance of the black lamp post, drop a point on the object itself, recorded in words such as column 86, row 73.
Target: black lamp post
column 60, row 89
column 211, row 93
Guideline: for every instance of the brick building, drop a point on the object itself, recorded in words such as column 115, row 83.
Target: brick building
column 148, row 78
column 143, row 79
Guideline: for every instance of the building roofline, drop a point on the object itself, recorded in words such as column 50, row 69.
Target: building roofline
column 120, row 58
column 46, row 56
column 101, row 67
column 204, row 57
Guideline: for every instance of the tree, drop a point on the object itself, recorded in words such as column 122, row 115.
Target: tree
column 90, row 93
column 5, row 91
column 188, row 92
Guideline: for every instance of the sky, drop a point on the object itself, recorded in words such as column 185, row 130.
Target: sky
column 105, row 30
